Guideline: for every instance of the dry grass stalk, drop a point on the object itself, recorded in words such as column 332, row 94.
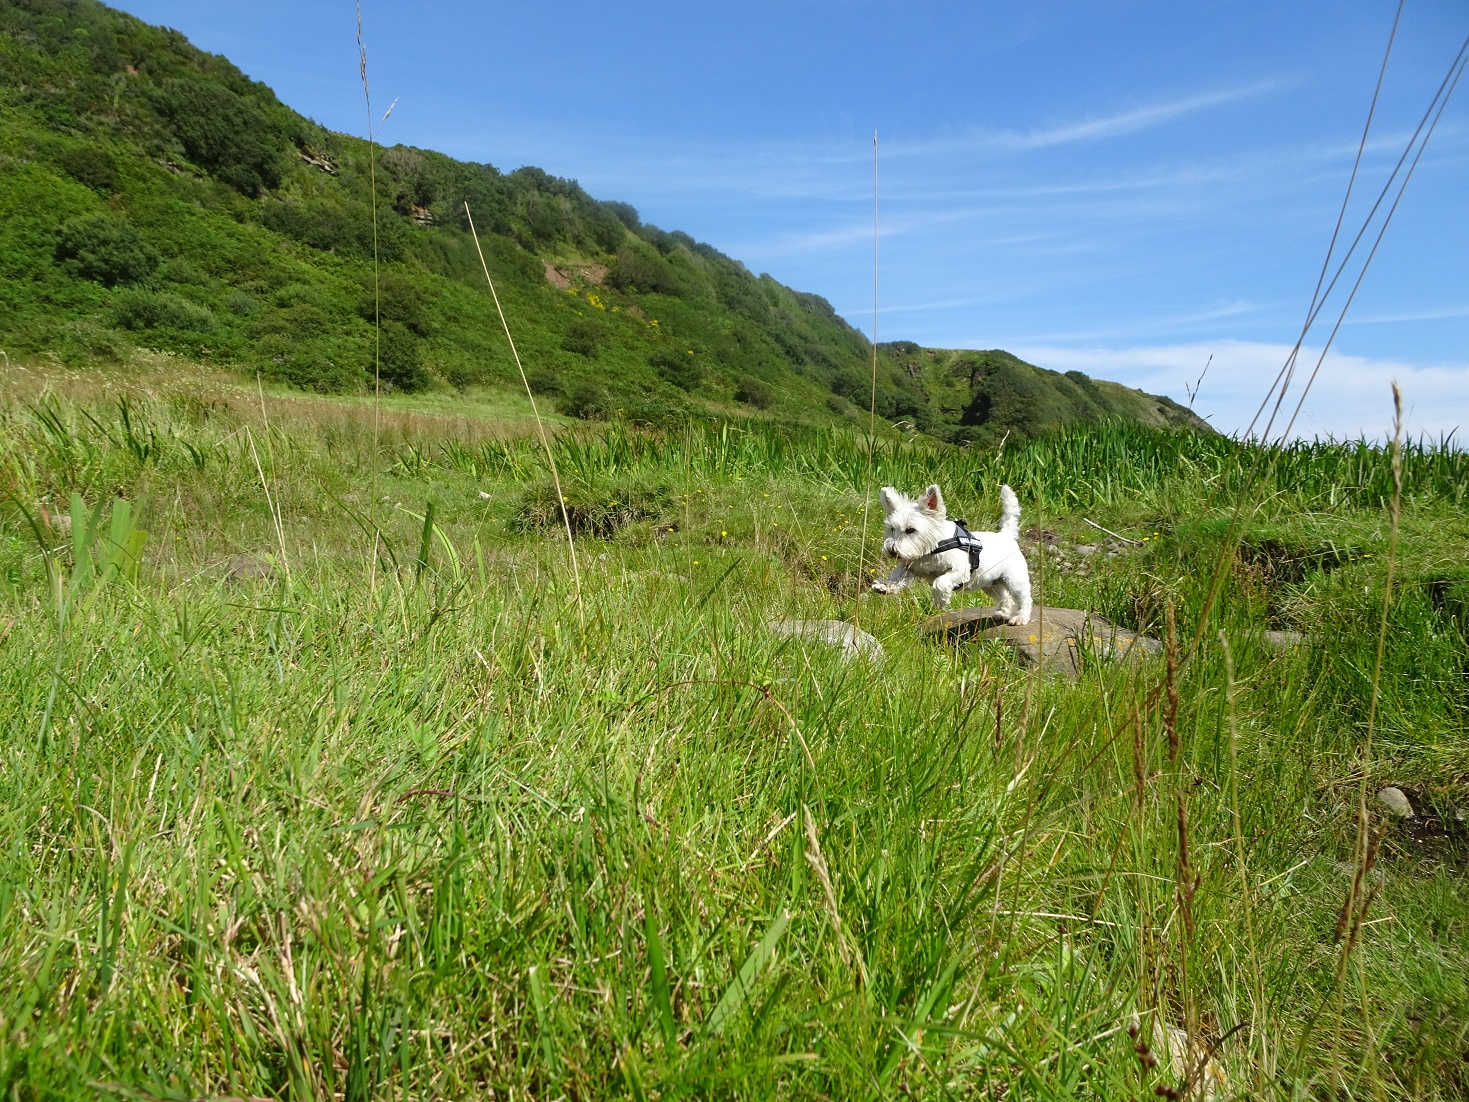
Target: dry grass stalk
column 850, row 953
column 871, row 405
column 540, row 425
column 1188, row 880
column 377, row 337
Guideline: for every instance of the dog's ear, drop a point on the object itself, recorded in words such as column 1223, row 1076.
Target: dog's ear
column 932, row 501
column 890, row 499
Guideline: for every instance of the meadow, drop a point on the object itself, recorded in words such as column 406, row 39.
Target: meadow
column 325, row 775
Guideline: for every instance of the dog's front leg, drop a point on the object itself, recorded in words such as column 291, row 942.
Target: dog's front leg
column 944, row 586
column 898, row 579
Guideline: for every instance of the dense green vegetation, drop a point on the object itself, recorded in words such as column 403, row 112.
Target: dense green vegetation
column 323, row 776
column 151, row 196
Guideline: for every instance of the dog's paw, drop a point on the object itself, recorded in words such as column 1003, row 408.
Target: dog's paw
column 881, row 587
column 1016, row 621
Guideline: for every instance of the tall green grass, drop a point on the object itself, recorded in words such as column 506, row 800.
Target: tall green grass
column 281, row 834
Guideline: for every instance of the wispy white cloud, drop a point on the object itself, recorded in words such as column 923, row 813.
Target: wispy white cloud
column 1139, row 118
column 1142, row 328
column 852, row 233
column 1350, row 398
column 808, row 168
column 922, row 307
column 1446, row 314
column 1393, row 142
column 1048, row 242
column 1012, row 292
column 1094, row 128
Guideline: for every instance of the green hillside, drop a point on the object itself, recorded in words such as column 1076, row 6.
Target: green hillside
column 152, row 196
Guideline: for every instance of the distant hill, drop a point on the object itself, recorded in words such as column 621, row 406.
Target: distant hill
column 977, row 397
column 151, row 195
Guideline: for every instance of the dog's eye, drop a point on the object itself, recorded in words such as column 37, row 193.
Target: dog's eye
column 910, row 531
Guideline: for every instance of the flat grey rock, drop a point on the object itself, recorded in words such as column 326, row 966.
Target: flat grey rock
column 1284, row 640
column 1057, row 640
column 853, row 640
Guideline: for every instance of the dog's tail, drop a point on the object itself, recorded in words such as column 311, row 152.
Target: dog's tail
column 1009, row 513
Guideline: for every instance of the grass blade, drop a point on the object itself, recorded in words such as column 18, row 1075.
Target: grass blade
column 738, row 992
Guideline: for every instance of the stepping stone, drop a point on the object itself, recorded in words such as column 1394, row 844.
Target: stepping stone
column 1057, row 640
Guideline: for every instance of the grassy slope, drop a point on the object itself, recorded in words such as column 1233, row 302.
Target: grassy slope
column 241, row 234
column 421, row 824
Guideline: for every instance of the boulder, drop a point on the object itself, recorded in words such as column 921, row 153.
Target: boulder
column 853, row 640
column 1057, row 640
column 249, row 568
column 1395, row 800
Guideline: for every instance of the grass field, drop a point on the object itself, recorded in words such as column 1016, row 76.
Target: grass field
column 322, row 775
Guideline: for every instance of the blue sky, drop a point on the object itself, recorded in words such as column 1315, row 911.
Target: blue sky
column 1126, row 188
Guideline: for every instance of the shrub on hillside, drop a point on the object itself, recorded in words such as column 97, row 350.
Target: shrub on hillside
column 656, row 410
column 588, row 400
column 682, row 371
column 398, row 299
column 754, row 392
column 545, row 380
column 626, row 213
column 91, row 165
column 584, row 337
column 546, row 218
column 300, row 323
column 306, row 365
column 106, row 248
column 341, row 227
column 303, row 294
column 400, row 358
column 86, row 341
column 241, row 303
column 639, row 268
column 139, row 309
column 604, row 228
column 181, row 270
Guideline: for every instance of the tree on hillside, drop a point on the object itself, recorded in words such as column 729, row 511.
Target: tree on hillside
column 222, row 132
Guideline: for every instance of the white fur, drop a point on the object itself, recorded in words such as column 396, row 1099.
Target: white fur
column 912, row 529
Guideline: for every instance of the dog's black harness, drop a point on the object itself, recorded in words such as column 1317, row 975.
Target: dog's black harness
column 962, row 540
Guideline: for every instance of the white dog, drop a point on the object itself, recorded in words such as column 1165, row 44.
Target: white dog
column 927, row 544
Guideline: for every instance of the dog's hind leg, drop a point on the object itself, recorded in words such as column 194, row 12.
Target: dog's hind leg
column 1004, row 602
column 1017, row 606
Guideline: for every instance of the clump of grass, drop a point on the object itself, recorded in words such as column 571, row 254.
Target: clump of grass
column 599, row 512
